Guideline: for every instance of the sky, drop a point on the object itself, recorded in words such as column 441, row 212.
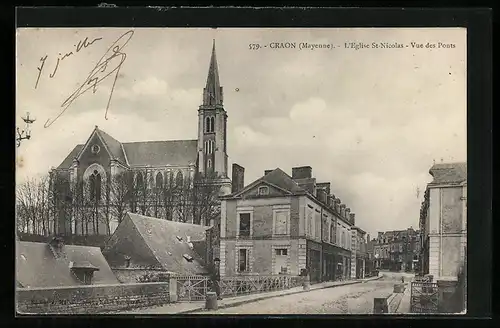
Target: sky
column 370, row 121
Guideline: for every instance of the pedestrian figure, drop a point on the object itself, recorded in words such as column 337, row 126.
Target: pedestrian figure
column 216, row 279
column 403, row 280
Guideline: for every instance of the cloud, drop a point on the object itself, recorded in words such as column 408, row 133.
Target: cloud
column 370, row 121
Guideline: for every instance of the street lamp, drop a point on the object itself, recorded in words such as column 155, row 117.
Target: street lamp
column 26, row 133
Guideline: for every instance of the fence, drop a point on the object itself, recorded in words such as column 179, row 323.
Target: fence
column 194, row 288
column 424, row 297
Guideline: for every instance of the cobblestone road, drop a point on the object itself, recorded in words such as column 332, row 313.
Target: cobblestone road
column 351, row 299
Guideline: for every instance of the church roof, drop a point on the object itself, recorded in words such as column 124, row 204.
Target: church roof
column 170, row 152
column 449, row 173
column 174, row 152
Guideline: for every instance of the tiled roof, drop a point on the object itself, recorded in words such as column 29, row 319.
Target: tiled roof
column 170, row 152
column 449, row 173
column 162, row 237
column 174, row 152
column 69, row 159
column 277, row 178
column 282, row 180
column 114, row 146
column 36, row 265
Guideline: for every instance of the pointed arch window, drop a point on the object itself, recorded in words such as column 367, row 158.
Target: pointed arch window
column 209, row 164
column 210, row 124
column 159, row 180
column 95, row 184
column 209, row 147
column 179, row 179
column 139, row 180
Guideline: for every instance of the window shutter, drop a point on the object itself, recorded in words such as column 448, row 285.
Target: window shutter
column 281, row 223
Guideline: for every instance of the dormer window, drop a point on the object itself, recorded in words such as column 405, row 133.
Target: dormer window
column 263, row 191
column 83, row 271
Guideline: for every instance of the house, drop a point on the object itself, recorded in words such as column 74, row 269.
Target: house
column 443, row 221
column 281, row 224
column 397, row 250
column 359, row 255
column 145, row 243
column 55, row 264
column 92, row 171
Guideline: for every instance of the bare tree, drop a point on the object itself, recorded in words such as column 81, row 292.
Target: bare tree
column 168, row 197
column 32, row 206
column 120, row 192
column 205, row 199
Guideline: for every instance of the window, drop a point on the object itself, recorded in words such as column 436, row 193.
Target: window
column 342, row 240
column 243, row 263
column 332, row 233
column 139, row 181
column 264, row 190
column 244, row 224
column 209, row 164
column 95, row 186
column 281, row 251
column 159, row 180
column 281, row 223
column 179, row 179
column 210, row 124
column 95, row 149
column 209, row 146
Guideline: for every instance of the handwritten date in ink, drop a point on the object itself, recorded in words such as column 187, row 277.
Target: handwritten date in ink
column 109, row 64
column 82, row 44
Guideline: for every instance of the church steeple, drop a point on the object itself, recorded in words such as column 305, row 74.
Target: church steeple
column 212, row 94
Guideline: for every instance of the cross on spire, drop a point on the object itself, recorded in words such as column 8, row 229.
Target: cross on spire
column 212, row 94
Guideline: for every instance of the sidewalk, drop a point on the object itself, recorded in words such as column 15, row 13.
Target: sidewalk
column 190, row 307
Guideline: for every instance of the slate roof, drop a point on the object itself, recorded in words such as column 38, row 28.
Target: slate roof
column 449, row 173
column 172, row 152
column 69, row 159
column 277, row 178
column 161, row 238
column 36, row 265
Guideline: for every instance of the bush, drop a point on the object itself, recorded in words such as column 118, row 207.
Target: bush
column 154, row 277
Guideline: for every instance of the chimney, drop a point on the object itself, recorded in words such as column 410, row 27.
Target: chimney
column 238, row 180
column 368, row 238
column 337, row 205
column 322, row 196
column 352, row 218
column 329, row 200
column 347, row 214
column 266, row 172
column 342, row 210
column 302, row 172
column 325, row 186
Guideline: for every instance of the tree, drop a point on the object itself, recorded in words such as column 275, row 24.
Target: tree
column 167, row 197
column 205, row 199
column 32, row 210
column 120, row 192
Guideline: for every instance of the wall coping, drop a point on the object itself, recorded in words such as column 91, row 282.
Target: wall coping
column 92, row 286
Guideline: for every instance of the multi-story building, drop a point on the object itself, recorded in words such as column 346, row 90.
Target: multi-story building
column 359, row 253
column 443, row 221
column 281, row 224
column 397, row 250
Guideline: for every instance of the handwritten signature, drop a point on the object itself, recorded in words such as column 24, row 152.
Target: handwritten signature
column 82, row 44
column 109, row 63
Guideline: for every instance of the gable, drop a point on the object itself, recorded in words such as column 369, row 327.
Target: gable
column 272, row 191
column 87, row 156
column 126, row 241
column 161, row 237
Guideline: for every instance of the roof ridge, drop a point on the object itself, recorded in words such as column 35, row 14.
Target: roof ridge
column 175, row 140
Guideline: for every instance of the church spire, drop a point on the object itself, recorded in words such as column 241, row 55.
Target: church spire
column 212, row 94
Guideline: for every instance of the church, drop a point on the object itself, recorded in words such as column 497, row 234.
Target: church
column 93, row 165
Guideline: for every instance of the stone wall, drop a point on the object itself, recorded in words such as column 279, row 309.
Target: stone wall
column 91, row 299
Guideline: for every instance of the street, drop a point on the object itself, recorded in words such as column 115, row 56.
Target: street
column 350, row 299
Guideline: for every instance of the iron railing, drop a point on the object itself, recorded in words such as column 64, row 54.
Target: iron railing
column 194, row 288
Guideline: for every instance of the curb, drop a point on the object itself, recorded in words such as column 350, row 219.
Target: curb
column 237, row 303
